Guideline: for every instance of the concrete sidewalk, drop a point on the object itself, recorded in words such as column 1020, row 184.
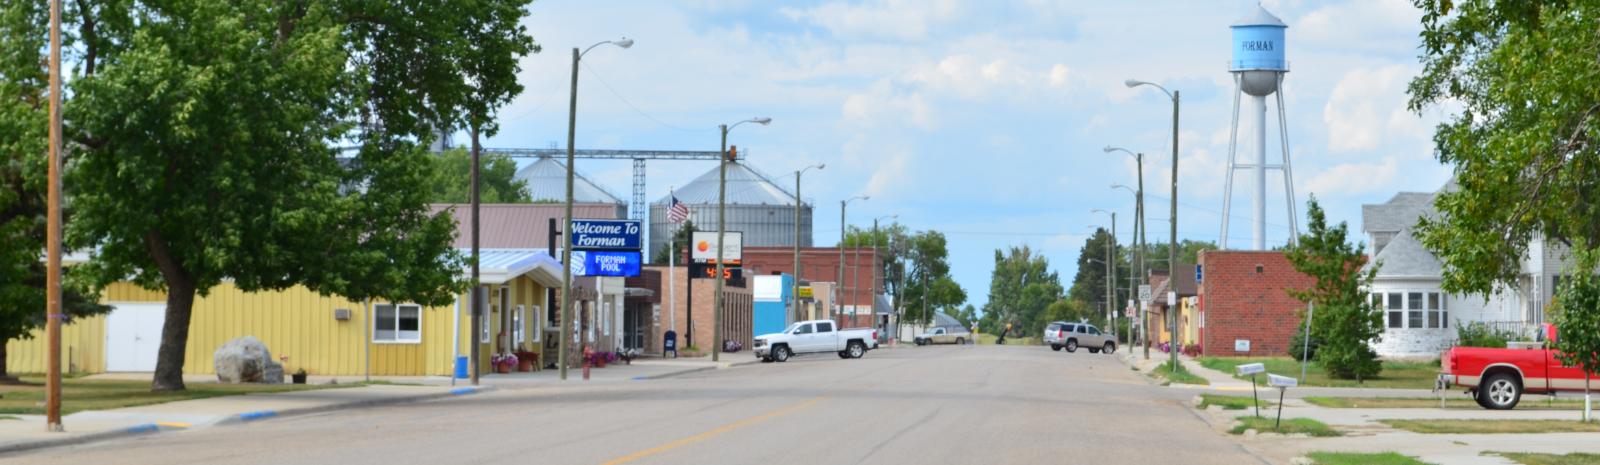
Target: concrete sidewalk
column 28, row 431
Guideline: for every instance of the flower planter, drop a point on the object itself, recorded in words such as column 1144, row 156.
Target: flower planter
column 502, row 368
column 525, row 365
column 298, row 378
column 599, row 362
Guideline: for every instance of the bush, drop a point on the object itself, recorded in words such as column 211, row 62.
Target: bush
column 1344, row 361
column 1477, row 334
column 1297, row 346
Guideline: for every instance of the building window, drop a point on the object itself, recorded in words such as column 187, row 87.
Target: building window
column 1396, row 310
column 1413, row 309
column 538, row 328
column 1435, row 312
column 516, row 324
column 397, row 323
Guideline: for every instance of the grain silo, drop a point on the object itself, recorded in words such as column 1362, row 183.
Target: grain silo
column 547, row 183
column 756, row 206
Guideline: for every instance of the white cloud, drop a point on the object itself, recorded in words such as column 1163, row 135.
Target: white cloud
column 1360, row 24
column 1366, row 105
column 1355, row 178
column 880, row 19
column 883, row 105
column 1059, row 75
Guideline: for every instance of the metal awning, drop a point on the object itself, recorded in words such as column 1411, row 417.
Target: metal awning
column 498, row 266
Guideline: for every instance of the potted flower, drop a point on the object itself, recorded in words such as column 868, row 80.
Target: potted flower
column 525, row 360
column 598, row 360
column 503, row 362
column 299, row 376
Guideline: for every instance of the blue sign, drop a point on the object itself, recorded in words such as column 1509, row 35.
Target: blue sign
column 607, row 235
column 1198, row 275
column 602, row 263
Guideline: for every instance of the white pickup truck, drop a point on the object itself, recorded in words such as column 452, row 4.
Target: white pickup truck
column 815, row 336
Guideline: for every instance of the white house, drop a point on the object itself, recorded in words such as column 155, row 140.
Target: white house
column 1420, row 319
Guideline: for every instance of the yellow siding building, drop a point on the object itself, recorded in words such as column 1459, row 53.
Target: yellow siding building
column 324, row 335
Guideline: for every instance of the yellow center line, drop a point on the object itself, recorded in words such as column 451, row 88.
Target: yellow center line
column 714, row 432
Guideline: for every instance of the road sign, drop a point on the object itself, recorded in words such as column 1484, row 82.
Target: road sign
column 1251, row 368
column 1281, row 381
column 1241, row 345
column 1144, row 293
column 703, row 247
column 606, row 263
column 805, row 292
column 607, row 235
column 1172, row 299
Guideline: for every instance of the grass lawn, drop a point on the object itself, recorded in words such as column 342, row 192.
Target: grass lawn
column 1354, row 458
column 1305, row 426
column 1403, row 375
column 1527, row 403
column 1527, row 458
column 1181, row 377
column 79, row 395
column 9, row 417
column 1493, row 426
column 986, row 338
column 1229, row 402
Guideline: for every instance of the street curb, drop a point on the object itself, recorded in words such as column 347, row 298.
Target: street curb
column 149, row 428
column 696, row 370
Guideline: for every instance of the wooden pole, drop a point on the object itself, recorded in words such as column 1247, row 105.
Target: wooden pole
column 53, row 312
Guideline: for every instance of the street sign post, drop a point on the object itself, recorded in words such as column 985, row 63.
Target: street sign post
column 1283, row 383
column 607, row 235
column 1144, row 293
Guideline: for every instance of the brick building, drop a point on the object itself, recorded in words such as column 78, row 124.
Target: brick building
column 736, row 310
column 863, row 278
column 1245, row 303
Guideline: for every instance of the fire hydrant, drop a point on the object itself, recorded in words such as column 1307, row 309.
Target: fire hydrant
column 588, row 356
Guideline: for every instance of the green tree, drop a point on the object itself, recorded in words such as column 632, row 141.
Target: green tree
column 1020, row 289
column 497, row 183
column 1089, row 284
column 1073, row 310
column 915, row 263
column 967, row 316
column 1522, row 146
column 1345, row 320
column 680, row 243
column 203, row 136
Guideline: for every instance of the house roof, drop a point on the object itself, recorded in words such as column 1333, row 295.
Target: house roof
column 498, row 266
column 517, row 226
column 1399, row 213
column 1186, row 287
column 1406, row 256
column 547, row 181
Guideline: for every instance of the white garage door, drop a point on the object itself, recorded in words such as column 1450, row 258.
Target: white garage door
column 133, row 336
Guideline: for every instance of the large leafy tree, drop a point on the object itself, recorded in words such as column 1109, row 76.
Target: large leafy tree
column 1089, row 284
column 24, row 116
column 202, row 137
column 451, row 179
column 1344, row 320
column 916, row 265
column 1522, row 145
column 1021, row 288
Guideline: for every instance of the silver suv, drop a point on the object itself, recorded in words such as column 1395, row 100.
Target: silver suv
column 1062, row 335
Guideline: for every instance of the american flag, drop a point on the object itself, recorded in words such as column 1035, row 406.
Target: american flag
column 677, row 211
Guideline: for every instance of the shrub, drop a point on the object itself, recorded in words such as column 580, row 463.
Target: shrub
column 1297, row 346
column 1477, row 334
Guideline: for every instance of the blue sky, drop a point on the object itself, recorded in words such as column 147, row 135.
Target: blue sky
column 982, row 119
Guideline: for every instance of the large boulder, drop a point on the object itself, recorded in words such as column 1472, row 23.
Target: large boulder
column 246, row 360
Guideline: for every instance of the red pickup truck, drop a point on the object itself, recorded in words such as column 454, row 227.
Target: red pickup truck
column 1497, row 378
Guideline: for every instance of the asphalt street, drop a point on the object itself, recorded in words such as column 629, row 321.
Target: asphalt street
column 912, row 405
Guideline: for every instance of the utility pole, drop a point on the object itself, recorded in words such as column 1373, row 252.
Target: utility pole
column 566, row 226
column 477, row 289
column 52, row 287
column 722, row 228
column 1172, row 241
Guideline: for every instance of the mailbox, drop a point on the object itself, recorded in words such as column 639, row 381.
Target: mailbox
column 1281, row 381
column 1251, row 368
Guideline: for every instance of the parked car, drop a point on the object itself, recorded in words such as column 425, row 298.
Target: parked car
column 1071, row 336
column 815, row 336
column 942, row 335
column 1497, row 378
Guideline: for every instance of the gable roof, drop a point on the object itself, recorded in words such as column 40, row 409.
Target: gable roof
column 1406, row 256
column 1399, row 213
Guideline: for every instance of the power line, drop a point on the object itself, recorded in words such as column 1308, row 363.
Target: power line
column 625, row 101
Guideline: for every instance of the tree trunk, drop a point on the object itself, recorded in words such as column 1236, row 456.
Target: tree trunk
column 180, row 305
column 4, row 374
column 174, row 337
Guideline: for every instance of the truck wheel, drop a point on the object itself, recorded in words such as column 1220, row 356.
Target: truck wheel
column 1055, row 347
column 1109, row 348
column 1500, row 392
column 856, row 350
column 780, row 354
column 1072, row 345
column 961, row 341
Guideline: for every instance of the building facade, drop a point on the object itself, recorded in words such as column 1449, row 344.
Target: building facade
column 1244, row 305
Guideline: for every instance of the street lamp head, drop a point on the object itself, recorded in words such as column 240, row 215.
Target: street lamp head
column 822, row 165
column 624, row 42
column 1133, row 83
column 1109, row 149
column 1117, row 185
column 762, row 120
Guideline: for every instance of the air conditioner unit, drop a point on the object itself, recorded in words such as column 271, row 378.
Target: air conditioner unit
column 341, row 314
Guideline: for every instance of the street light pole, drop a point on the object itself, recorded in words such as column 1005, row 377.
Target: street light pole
column 722, row 230
column 1111, row 264
column 839, row 286
column 566, row 250
column 794, row 308
column 1139, row 230
column 1172, row 242
column 877, row 271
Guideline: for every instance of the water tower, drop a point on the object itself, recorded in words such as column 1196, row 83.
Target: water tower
column 1258, row 68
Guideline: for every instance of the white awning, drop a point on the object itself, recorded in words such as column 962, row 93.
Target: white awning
column 498, row 266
